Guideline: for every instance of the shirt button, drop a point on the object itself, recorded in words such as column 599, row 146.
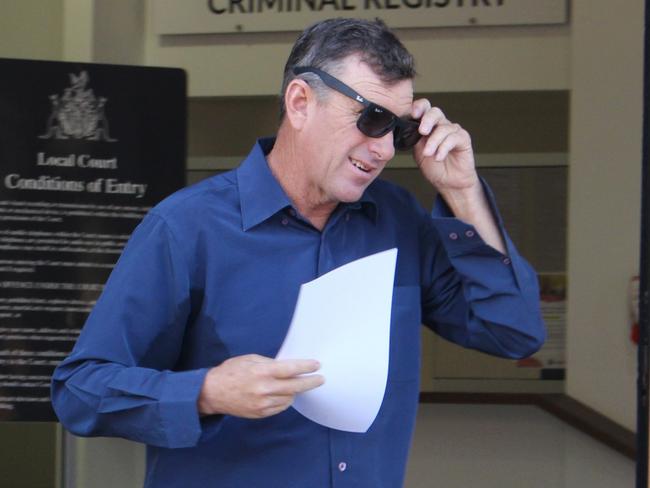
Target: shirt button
column 285, row 221
column 506, row 260
column 347, row 217
column 469, row 233
column 453, row 236
column 342, row 466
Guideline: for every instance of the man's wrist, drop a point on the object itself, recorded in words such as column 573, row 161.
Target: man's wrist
column 204, row 404
column 466, row 203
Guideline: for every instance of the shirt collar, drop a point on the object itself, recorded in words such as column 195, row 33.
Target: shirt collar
column 261, row 196
column 366, row 204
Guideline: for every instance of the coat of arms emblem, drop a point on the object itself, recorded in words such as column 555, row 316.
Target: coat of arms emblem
column 78, row 113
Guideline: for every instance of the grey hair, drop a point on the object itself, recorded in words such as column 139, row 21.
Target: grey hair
column 326, row 44
column 314, row 82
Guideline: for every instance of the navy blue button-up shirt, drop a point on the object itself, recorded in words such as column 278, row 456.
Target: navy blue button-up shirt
column 214, row 272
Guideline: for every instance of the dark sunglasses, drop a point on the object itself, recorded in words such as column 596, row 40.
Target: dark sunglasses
column 375, row 120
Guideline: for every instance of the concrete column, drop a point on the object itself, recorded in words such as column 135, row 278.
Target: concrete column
column 604, row 203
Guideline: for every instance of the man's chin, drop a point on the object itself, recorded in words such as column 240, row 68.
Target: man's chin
column 351, row 196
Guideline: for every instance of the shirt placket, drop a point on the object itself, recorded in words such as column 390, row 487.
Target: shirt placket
column 328, row 254
column 342, row 462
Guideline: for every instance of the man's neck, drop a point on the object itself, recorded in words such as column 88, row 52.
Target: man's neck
column 287, row 167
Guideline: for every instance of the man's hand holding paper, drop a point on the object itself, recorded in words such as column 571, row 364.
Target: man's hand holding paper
column 254, row 386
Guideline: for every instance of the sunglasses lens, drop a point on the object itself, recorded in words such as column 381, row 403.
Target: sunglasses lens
column 406, row 134
column 374, row 121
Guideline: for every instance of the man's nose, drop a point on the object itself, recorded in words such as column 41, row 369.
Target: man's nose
column 382, row 148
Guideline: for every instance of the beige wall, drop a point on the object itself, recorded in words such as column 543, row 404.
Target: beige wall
column 31, row 29
column 118, row 34
column 604, row 202
column 464, row 59
column 490, row 59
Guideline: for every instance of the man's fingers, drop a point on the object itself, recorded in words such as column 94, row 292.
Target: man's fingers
column 255, row 386
column 431, row 119
column 300, row 384
column 441, row 133
column 280, row 396
column 255, row 358
column 279, row 404
column 419, row 108
column 288, row 368
column 458, row 140
column 441, row 137
column 290, row 387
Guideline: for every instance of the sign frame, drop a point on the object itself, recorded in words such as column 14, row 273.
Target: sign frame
column 171, row 17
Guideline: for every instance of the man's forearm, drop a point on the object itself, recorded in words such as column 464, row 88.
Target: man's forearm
column 472, row 207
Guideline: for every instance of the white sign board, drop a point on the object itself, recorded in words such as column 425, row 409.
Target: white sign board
column 219, row 16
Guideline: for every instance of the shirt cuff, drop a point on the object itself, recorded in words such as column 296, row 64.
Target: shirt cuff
column 461, row 239
column 178, row 407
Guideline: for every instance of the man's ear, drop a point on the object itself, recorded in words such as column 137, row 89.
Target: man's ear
column 297, row 100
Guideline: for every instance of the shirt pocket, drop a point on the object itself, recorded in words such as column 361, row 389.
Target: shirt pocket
column 404, row 362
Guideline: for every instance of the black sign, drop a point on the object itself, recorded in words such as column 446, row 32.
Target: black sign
column 85, row 151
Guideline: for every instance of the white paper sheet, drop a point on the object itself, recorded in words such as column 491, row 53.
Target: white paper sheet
column 342, row 319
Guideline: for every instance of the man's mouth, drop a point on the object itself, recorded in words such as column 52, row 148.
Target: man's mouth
column 360, row 165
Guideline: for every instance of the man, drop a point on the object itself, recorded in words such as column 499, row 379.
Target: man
column 178, row 350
